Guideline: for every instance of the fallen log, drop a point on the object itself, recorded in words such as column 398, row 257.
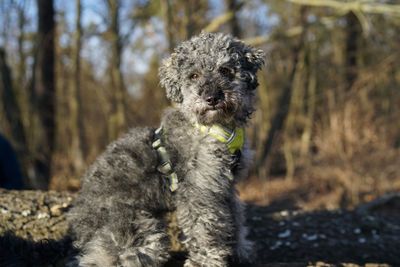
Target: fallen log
column 33, row 228
column 34, row 215
column 33, row 232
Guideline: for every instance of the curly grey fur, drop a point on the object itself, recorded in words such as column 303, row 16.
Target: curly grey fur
column 117, row 219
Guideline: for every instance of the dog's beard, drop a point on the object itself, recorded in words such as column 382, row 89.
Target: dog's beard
column 223, row 113
column 212, row 116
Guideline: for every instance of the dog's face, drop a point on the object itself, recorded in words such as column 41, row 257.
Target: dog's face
column 212, row 77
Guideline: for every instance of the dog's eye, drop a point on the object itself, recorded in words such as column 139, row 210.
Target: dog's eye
column 194, row 76
column 226, row 72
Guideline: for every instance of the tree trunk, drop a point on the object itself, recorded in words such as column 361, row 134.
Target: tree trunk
column 353, row 33
column 75, row 102
column 21, row 84
column 117, row 121
column 44, row 93
column 284, row 103
column 21, row 53
column 233, row 7
column 11, row 107
column 194, row 19
column 168, row 23
column 310, row 100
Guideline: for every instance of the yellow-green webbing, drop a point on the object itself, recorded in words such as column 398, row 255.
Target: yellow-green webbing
column 234, row 139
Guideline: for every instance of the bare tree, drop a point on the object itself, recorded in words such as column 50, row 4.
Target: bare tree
column 166, row 8
column 117, row 120
column 75, row 101
column 353, row 34
column 284, row 101
column 230, row 17
column 10, row 105
column 21, row 37
column 183, row 19
column 44, row 93
column 233, row 6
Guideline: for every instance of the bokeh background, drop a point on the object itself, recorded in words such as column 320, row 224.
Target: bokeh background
column 75, row 75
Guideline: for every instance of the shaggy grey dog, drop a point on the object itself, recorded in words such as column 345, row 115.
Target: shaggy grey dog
column 118, row 217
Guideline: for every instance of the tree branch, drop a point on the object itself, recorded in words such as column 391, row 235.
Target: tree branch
column 356, row 6
column 261, row 39
column 217, row 22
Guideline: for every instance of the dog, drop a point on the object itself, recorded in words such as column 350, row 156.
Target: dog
column 189, row 165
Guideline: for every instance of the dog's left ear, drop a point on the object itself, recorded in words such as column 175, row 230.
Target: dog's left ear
column 168, row 74
column 256, row 58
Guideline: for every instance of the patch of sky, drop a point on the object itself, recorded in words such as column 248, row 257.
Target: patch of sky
column 96, row 51
column 148, row 41
column 257, row 13
column 216, row 7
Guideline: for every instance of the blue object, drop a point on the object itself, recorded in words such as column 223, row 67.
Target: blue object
column 10, row 173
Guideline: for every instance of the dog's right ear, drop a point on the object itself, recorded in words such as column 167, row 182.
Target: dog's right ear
column 168, row 74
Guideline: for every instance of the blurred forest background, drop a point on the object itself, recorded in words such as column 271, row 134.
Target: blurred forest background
column 74, row 75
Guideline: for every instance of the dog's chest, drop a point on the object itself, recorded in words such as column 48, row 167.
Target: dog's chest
column 192, row 152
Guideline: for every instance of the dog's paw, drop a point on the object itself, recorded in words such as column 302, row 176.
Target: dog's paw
column 211, row 263
column 245, row 252
column 190, row 263
column 134, row 258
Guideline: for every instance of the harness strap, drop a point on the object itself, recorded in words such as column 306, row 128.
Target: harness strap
column 165, row 166
column 234, row 140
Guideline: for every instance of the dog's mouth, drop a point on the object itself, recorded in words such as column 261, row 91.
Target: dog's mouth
column 222, row 112
column 220, row 106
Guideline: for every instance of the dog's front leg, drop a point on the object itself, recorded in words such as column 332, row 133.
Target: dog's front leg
column 204, row 213
column 207, row 231
column 244, row 252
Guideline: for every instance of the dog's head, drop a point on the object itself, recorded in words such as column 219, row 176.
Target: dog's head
column 212, row 77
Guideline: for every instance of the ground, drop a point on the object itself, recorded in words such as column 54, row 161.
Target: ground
column 328, row 236
column 287, row 237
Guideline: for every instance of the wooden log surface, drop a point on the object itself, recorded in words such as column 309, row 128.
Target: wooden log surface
column 33, row 232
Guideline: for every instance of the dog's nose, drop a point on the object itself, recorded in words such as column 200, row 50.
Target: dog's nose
column 213, row 99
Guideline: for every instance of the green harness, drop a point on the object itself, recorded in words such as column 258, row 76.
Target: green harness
column 233, row 139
